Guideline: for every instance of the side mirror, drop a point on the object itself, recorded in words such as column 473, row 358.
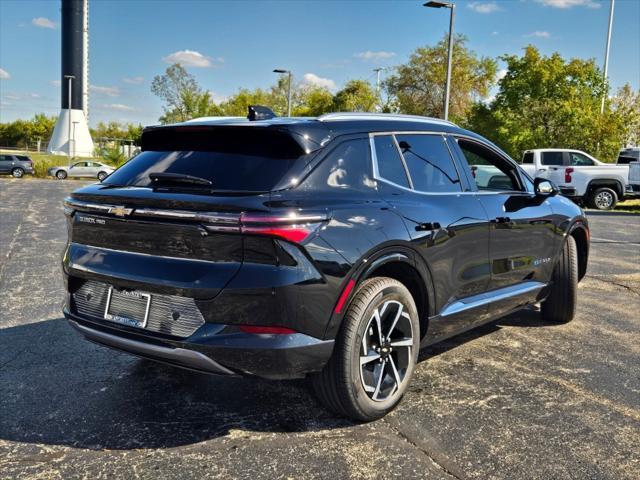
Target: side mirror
column 542, row 186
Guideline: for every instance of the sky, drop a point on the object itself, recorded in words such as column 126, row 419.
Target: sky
column 231, row 44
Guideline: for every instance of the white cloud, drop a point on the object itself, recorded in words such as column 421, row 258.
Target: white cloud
column 539, row 34
column 55, row 83
column 313, row 79
column 108, row 91
column 43, row 22
column 501, row 74
column 191, row 58
column 4, row 75
column 569, row 3
column 495, row 32
column 484, row 7
column 133, row 80
column 373, row 56
column 118, row 107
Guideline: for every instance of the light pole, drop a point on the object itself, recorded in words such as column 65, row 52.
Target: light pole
column 69, row 103
column 606, row 53
column 280, row 70
column 452, row 7
column 377, row 71
column 73, row 137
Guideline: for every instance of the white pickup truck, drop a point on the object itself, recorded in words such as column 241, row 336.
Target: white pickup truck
column 579, row 176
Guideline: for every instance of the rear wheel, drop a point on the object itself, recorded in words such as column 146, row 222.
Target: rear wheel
column 61, row 174
column 603, row 198
column 17, row 172
column 375, row 353
column 560, row 305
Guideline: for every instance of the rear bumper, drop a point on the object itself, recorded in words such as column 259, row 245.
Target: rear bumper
column 568, row 191
column 211, row 350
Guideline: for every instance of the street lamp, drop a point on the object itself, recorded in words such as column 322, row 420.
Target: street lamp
column 70, row 78
column 438, row 4
column 280, row 70
column 606, row 53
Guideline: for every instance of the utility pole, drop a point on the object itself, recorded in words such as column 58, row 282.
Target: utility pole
column 606, row 53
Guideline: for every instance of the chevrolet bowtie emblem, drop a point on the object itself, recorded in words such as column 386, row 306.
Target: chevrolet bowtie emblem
column 120, row 211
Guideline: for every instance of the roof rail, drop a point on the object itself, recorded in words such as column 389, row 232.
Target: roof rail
column 381, row 116
column 213, row 119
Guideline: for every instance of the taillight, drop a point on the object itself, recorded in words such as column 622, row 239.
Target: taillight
column 256, row 329
column 294, row 227
column 567, row 174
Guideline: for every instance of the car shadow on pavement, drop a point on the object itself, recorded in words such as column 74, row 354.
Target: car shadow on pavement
column 59, row 389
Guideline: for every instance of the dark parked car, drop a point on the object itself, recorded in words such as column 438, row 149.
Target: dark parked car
column 15, row 165
column 332, row 247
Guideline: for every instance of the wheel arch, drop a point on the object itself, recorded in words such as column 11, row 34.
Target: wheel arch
column 580, row 234
column 611, row 183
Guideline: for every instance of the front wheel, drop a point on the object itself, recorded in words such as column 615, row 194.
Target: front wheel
column 375, row 354
column 604, row 198
column 560, row 305
column 61, row 174
column 17, row 172
column 102, row 176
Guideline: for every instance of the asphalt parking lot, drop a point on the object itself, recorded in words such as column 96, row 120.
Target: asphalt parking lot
column 515, row 399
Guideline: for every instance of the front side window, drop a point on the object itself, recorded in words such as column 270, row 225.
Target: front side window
column 429, row 163
column 390, row 165
column 579, row 160
column 552, row 158
column 489, row 171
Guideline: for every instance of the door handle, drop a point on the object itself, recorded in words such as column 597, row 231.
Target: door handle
column 423, row 227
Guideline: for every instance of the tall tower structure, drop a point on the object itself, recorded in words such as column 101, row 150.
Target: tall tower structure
column 71, row 134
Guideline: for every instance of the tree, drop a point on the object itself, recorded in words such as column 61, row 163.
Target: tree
column 417, row 87
column 313, row 101
column 626, row 103
column 356, row 96
column 545, row 101
column 183, row 97
column 26, row 133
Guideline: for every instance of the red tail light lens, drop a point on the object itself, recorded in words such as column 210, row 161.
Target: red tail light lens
column 294, row 227
column 255, row 329
column 567, row 174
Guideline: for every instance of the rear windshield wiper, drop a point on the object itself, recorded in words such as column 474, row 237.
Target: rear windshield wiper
column 164, row 178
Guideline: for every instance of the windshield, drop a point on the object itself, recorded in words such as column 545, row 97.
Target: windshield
column 226, row 171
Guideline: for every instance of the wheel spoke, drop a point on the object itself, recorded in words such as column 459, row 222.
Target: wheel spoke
column 402, row 342
column 364, row 359
column 396, row 375
column 395, row 320
column 376, row 392
column 376, row 316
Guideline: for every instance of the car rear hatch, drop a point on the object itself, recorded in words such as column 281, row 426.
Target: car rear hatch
column 173, row 219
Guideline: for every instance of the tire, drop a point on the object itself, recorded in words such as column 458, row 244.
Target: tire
column 61, row 174
column 560, row 305
column 102, row 176
column 341, row 385
column 17, row 172
column 603, row 198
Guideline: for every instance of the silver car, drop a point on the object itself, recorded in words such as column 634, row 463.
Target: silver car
column 86, row 169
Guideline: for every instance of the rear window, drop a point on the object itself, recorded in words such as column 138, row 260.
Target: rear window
column 241, row 159
column 226, row 171
column 552, row 158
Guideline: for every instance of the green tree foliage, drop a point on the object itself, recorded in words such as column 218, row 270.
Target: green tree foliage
column 545, row 101
column 356, row 96
column 26, row 133
column 626, row 103
column 117, row 131
column 183, row 97
column 312, row 102
column 417, row 87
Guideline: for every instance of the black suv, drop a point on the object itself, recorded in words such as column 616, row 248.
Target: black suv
column 332, row 247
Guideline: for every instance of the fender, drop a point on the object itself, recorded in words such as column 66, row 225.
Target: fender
column 369, row 264
column 606, row 182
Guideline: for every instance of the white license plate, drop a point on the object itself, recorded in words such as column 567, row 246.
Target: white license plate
column 127, row 307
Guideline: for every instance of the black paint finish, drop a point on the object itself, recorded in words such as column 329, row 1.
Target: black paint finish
column 72, row 53
column 448, row 247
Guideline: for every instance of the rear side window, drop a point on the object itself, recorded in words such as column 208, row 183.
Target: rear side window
column 346, row 167
column 5, row 158
column 527, row 158
column 429, row 163
column 390, row 165
column 552, row 158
